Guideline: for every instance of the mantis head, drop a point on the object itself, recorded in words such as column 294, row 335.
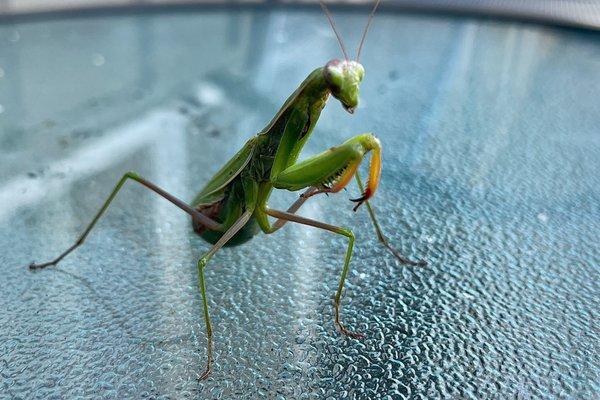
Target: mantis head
column 343, row 79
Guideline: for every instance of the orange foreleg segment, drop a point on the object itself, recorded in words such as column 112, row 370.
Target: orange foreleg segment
column 374, row 173
column 333, row 169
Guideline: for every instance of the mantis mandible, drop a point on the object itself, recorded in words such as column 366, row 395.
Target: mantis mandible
column 232, row 208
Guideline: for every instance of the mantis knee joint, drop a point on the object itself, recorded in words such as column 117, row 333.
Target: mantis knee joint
column 131, row 175
column 202, row 263
column 346, row 232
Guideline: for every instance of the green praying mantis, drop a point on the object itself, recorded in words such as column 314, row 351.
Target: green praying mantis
column 232, row 208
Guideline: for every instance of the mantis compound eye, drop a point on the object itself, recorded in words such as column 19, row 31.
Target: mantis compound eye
column 333, row 74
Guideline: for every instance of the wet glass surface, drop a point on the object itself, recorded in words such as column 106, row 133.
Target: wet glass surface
column 491, row 160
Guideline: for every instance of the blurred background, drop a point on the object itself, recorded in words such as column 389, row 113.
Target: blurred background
column 489, row 116
column 570, row 12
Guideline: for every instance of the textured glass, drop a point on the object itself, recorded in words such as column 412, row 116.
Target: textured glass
column 491, row 159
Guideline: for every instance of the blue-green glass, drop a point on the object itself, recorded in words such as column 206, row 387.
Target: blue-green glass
column 491, row 158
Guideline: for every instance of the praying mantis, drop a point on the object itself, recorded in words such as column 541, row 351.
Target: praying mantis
column 233, row 206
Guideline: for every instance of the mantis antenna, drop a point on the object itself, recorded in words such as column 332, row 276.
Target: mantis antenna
column 362, row 40
column 330, row 18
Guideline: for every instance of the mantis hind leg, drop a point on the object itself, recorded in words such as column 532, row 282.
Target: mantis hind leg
column 382, row 238
column 239, row 224
column 287, row 216
column 135, row 177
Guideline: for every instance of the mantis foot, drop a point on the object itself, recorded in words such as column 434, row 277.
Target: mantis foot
column 344, row 331
column 58, row 259
column 342, row 328
column 400, row 257
column 205, row 374
column 208, row 368
column 34, row 266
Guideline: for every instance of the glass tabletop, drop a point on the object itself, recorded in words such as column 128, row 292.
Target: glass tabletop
column 491, row 160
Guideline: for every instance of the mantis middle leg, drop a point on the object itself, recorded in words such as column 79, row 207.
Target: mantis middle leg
column 382, row 238
column 380, row 235
column 239, row 224
column 332, row 170
column 287, row 216
column 293, row 208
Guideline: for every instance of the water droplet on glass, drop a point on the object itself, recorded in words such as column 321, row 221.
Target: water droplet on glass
column 15, row 36
column 98, row 59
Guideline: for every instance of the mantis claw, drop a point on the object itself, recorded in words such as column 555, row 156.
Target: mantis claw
column 359, row 202
column 360, row 199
